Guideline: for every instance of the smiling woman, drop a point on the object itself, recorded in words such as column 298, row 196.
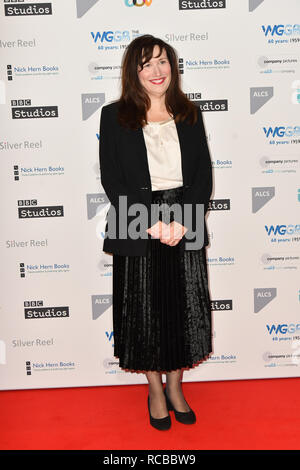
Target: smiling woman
column 155, row 75
column 150, row 71
column 153, row 150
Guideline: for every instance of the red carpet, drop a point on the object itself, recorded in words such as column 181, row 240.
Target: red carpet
column 244, row 414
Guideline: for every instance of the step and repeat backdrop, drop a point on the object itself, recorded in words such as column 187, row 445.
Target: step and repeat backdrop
column 60, row 63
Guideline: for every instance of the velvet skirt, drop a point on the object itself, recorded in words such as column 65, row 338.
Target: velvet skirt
column 161, row 304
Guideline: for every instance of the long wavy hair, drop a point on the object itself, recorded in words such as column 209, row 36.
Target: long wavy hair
column 134, row 101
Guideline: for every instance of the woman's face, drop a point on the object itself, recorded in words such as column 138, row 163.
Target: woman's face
column 155, row 76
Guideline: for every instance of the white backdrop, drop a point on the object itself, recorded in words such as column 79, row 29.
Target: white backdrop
column 60, row 62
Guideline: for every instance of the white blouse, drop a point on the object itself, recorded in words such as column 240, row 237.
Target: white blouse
column 164, row 154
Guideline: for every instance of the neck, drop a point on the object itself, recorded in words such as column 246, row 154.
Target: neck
column 157, row 103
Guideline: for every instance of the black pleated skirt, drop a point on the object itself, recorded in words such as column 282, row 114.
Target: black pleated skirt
column 161, row 304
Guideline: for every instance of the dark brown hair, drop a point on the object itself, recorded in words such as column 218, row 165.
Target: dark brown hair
column 134, row 101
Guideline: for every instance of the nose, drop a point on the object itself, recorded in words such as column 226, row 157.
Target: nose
column 156, row 70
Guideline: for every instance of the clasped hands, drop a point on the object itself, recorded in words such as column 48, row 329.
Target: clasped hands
column 170, row 234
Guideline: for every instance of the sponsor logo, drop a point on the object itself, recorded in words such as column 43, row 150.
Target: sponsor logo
column 20, row 8
column 201, row 4
column 282, row 229
column 49, row 366
column 282, row 131
column 221, row 164
column 212, row 105
column 104, row 71
column 262, row 297
column 283, row 135
column 221, row 261
column 283, row 328
column 100, row 303
column 29, row 343
column 109, row 40
column 90, row 103
column 207, row 105
column 22, row 145
column 221, row 305
column 285, row 165
column 277, row 261
column 253, row 4
column 222, row 359
column 26, row 243
column 190, row 37
column 137, row 3
column 283, row 63
column 281, row 33
column 43, row 268
column 29, row 70
column 219, row 205
column 18, row 43
column 29, row 209
column 204, row 64
column 296, row 92
column 82, row 6
column 283, row 233
column 23, row 171
column 259, row 96
column 260, row 197
column 282, row 359
column 110, row 336
column 34, row 309
column 111, row 363
column 95, row 204
column 22, row 109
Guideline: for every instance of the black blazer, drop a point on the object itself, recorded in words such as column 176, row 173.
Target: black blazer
column 125, row 171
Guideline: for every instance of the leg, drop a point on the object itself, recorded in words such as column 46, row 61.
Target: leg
column 158, row 407
column 174, row 391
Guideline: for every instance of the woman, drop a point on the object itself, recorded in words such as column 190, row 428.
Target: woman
column 153, row 151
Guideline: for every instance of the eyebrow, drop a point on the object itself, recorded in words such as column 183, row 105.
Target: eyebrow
column 159, row 57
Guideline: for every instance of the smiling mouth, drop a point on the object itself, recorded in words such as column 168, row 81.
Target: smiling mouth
column 158, row 81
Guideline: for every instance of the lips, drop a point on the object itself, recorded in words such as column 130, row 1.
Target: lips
column 158, row 81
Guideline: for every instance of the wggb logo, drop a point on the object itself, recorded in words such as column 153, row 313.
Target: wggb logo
column 281, row 30
column 283, row 328
column 282, row 131
column 282, row 229
column 111, row 36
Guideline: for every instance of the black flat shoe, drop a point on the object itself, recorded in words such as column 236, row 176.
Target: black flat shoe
column 184, row 417
column 162, row 424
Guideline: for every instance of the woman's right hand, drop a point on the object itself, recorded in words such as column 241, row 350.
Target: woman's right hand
column 156, row 230
column 170, row 234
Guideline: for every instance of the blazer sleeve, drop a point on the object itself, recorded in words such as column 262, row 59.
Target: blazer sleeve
column 201, row 188
column 111, row 178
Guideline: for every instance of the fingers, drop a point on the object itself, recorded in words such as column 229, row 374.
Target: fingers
column 170, row 234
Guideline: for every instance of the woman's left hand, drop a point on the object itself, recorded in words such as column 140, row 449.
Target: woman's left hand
column 170, row 234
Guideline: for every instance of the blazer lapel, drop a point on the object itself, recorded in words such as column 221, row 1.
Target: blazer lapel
column 182, row 143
